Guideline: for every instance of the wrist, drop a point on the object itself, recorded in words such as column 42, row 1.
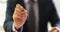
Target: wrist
column 17, row 26
column 16, row 30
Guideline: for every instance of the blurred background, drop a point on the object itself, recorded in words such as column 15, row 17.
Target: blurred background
column 3, row 10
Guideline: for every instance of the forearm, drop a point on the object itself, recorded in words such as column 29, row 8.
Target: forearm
column 8, row 26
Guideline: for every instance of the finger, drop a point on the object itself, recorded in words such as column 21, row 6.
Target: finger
column 21, row 8
column 17, row 18
column 20, row 16
column 18, row 12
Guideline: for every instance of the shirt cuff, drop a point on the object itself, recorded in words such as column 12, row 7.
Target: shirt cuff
column 20, row 30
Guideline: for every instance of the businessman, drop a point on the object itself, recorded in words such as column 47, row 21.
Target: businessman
column 40, row 12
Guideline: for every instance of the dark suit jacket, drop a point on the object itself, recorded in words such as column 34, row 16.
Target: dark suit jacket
column 47, row 12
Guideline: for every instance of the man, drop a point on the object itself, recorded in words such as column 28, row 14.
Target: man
column 16, row 16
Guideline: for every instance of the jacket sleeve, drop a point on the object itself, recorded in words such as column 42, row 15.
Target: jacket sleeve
column 54, row 19
column 9, row 13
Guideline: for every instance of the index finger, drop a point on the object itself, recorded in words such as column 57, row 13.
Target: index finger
column 21, row 9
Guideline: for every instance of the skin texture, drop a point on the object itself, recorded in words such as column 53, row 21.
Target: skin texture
column 19, row 16
column 55, row 29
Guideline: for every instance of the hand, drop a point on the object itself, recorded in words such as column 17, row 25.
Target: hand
column 19, row 16
column 55, row 29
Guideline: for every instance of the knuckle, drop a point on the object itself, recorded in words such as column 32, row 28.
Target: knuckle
column 15, row 16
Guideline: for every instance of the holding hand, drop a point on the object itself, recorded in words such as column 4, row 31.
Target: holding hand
column 19, row 16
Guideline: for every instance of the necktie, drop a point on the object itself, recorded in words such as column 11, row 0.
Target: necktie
column 31, row 17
